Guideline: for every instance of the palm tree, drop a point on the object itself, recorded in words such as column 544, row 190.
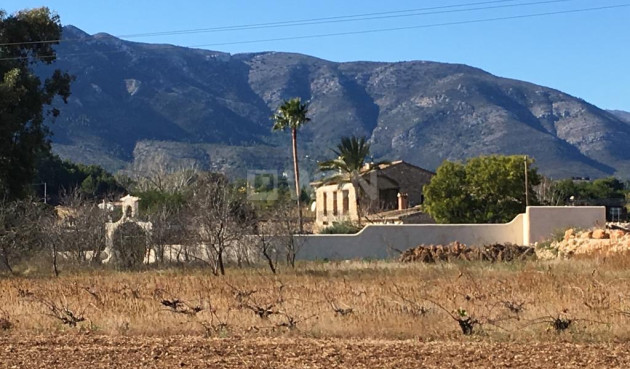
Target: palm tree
column 292, row 115
column 351, row 154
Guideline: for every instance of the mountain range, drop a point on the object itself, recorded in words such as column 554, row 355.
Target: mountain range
column 139, row 106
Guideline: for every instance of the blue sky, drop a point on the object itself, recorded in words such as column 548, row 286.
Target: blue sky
column 586, row 54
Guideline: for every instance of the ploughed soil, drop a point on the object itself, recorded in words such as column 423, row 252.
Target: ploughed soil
column 75, row 350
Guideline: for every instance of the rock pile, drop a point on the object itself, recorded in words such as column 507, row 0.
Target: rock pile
column 592, row 242
column 458, row 251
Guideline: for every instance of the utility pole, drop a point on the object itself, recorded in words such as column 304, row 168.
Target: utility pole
column 526, row 184
column 45, row 198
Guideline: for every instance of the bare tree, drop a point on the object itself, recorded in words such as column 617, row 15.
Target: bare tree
column 82, row 227
column 550, row 194
column 50, row 235
column 161, row 177
column 268, row 233
column 169, row 227
column 286, row 227
column 220, row 217
column 277, row 223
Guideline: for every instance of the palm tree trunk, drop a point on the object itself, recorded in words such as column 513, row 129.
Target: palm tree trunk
column 358, row 193
column 297, row 177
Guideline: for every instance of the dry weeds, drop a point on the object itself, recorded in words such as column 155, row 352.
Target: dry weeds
column 577, row 300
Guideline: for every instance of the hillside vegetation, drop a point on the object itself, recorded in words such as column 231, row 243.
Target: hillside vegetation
column 162, row 105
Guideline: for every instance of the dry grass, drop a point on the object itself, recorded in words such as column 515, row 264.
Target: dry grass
column 578, row 300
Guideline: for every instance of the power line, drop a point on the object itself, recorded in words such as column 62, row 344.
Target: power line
column 326, row 20
column 348, row 18
column 473, row 21
column 418, row 26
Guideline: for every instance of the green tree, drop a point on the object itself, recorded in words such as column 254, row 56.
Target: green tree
column 62, row 176
column 154, row 200
column 292, row 114
column 486, row 189
column 26, row 40
column 350, row 153
column 589, row 192
column 446, row 197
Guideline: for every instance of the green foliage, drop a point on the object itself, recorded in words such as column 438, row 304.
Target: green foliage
column 584, row 192
column 21, row 231
column 63, row 176
column 292, row 114
column 265, row 182
column 350, row 155
column 154, row 200
column 486, row 189
column 23, row 95
column 341, row 228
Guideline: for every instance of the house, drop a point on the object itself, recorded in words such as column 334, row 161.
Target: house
column 388, row 193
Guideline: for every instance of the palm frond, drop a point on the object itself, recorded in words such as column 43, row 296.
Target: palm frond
column 351, row 154
column 291, row 114
column 334, row 164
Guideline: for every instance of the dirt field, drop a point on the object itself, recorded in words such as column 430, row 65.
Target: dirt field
column 99, row 351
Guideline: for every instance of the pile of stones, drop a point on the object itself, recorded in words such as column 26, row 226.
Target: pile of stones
column 594, row 242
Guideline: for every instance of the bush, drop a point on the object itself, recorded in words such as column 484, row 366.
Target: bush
column 341, row 228
column 130, row 245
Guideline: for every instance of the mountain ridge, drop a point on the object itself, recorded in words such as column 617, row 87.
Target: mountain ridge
column 129, row 96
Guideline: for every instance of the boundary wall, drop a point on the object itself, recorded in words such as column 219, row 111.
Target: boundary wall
column 387, row 241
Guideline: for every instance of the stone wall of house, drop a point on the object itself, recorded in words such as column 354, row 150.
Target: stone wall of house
column 411, row 180
column 335, row 203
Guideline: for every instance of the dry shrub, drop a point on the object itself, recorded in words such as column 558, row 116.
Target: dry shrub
column 5, row 322
column 457, row 251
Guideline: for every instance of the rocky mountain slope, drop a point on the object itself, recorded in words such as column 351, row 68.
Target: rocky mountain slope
column 623, row 115
column 138, row 105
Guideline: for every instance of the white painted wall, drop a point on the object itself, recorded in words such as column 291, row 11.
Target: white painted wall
column 385, row 241
column 382, row 241
column 544, row 221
